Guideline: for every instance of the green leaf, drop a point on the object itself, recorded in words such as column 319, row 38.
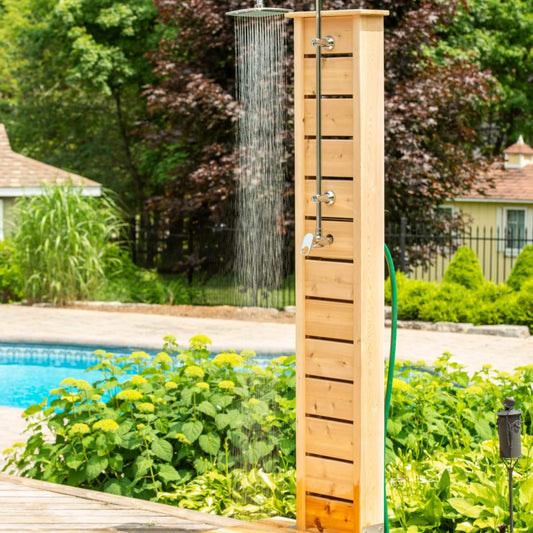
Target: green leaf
column 222, row 420
column 32, row 409
column 444, row 484
column 75, row 461
column 258, row 450
column 465, row 508
column 163, row 449
column 526, row 494
column 116, row 462
column 221, row 400
column 208, row 409
column 192, row 430
column 168, row 473
column 210, row 443
column 113, row 487
column 141, row 465
column 95, row 466
column 466, row 527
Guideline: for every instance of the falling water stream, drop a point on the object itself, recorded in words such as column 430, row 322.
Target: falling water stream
column 261, row 90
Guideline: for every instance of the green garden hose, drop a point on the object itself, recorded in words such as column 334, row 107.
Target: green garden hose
column 392, row 360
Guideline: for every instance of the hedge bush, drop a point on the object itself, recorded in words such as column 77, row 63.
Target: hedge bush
column 523, row 269
column 11, row 286
column 465, row 297
column 464, row 269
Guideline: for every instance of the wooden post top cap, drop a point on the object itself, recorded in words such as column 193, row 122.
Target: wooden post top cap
column 339, row 13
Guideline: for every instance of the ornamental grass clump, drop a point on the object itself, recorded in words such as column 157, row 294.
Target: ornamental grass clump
column 63, row 241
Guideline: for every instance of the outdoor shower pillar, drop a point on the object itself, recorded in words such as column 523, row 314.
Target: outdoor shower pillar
column 339, row 298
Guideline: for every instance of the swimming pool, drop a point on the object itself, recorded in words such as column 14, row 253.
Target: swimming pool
column 29, row 371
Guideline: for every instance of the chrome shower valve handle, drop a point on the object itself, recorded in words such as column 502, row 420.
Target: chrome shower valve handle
column 314, row 241
column 328, row 198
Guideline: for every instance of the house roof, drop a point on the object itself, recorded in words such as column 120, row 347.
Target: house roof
column 512, row 184
column 519, row 147
column 20, row 175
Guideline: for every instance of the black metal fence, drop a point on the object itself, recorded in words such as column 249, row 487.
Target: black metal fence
column 424, row 255
column 205, row 260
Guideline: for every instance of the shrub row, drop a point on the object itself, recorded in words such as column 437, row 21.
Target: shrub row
column 465, row 296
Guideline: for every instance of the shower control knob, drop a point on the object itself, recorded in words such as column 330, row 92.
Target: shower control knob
column 327, row 198
column 307, row 244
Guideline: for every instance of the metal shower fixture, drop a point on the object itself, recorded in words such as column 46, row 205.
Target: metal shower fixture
column 258, row 11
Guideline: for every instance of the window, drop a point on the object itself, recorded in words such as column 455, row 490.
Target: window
column 515, row 229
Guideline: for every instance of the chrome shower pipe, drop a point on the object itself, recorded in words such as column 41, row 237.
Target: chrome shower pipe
column 328, row 198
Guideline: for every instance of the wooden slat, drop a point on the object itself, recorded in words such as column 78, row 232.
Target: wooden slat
column 329, row 515
column 342, row 232
column 329, row 477
column 343, row 205
column 368, row 270
column 329, row 279
column 329, row 399
column 337, row 117
column 331, row 320
column 337, row 76
column 299, row 208
column 329, row 359
column 329, row 439
column 337, row 158
column 340, row 29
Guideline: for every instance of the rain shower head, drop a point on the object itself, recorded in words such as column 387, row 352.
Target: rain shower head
column 258, row 11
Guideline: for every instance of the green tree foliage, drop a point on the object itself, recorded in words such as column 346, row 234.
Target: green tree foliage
column 79, row 68
column 433, row 108
column 523, row 269
column 63, row 242
column 498, row 36
column 464, row 269
column 10, row 279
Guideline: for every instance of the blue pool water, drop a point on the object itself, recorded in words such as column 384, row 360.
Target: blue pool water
column 29, row 371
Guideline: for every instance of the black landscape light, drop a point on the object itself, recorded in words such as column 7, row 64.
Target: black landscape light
column 509, row 432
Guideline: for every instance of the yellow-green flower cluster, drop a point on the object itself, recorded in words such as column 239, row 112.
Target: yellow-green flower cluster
column 226, row 385
column 80, row 429
column 137, row 357
column 106, row 425
column 194, row 371
column 400, row 385
column 228, row 359
column 129, row 394
column 182, row 438
column 199, row 341
column 77, row 383
column 138, row 380
column 146, row 407
column 162, row 358
column 71, row 397
column 170, row 385
column 203, row 385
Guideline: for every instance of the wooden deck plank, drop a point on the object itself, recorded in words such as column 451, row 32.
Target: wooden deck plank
column 29, row 505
